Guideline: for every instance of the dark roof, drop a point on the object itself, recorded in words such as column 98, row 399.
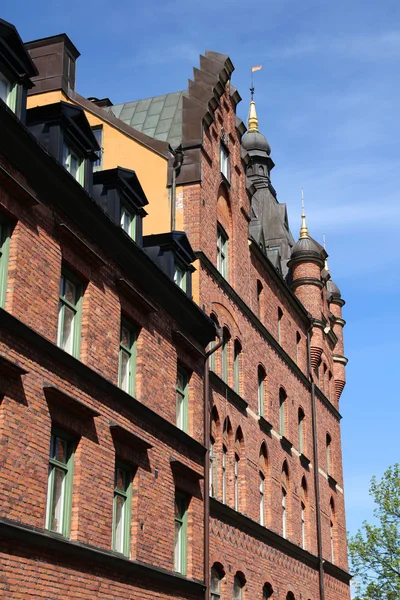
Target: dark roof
column 159, row 117
column 15, row 51
column 254, row 140
column 126, row 177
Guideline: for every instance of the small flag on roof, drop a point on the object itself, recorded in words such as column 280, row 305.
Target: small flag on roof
column 258, row 68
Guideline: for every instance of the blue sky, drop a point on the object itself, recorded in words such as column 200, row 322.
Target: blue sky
column 328, row 101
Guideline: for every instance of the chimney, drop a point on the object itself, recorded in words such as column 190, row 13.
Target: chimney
column 55, row 59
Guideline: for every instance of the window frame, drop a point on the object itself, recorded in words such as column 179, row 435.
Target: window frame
column 237, row 349
column 224, row 162
column 303, row 526
column 5, row 236
column 237, row 588
column 182, row 399
column 280, row 317
column 98, row 164
column 282, row 412
column 222, row 251
column 131, row 228
column 131, row 351
column 69, row 151
column 126, row 494
column 13, row 91
column 224, row 464
column 180, row 537
column 67, row 275
column 236, row 481
column 328, row 454
column 284, row 513
column 180, row 276
column 300, row 426
column 225, row 355
column 262, row 498
column 261, row 375
column 67, row 484
column 215, row 576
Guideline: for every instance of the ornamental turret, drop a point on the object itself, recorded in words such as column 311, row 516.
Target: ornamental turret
column 256, row 146
column 306, row 262
column 336, row 303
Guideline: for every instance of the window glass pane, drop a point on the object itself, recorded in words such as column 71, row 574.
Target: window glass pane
column 5, row 87
column 56, row 517
column 124, row 370
column 69, row 291
column 59, row 448
column 119, row 523
column 67, row 331
column 177, row 549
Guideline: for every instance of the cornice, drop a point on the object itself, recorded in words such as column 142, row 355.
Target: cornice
column 340, row 359
column 65, row 550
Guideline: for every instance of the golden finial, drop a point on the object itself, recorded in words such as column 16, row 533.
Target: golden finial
column 303, row 228
column 252, row 123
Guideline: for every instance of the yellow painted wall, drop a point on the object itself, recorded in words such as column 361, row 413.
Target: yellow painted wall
column 122, row 151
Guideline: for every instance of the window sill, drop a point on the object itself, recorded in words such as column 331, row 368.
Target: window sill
column 265, row 425
column 332, row 482
column 304, row 461
column 286, row 444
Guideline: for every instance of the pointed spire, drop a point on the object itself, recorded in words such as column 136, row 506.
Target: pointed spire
column 252, row 123
column 303, row 228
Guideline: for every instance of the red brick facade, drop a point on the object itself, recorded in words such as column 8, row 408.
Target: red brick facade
column 272, row 462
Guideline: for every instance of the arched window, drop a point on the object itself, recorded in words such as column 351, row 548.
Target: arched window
column 236, row 365
column 215, row 582
column 236, row 482
column 323, row 377
column 224, row 461
column 284, row 490
column 298, row 340
column 330, row 385
column 328, row 454
column 290, row 596
column 238, row 583
column 262, row 498
column 332, row 529
column 259, row 299
column 213, row 469
column 222, row 251
column 303, row 513
column 300, row 421
column 213, row 317
column 261, row 375
column 267, row 591
column 280, row 317
column 282, row 411
column 225, row 354
column 284, row 513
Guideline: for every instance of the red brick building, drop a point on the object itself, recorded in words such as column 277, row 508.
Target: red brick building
column 109, row 369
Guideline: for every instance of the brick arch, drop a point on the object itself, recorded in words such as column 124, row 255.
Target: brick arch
column 226, row 316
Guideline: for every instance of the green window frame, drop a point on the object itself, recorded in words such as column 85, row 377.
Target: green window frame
column 328, row 454
column 59, row 490
column 180, row 277
column 303, row 526
column 236, row 487
column 262, row 498
column 98, row 134
column 180, row 541
column 260, row 390
column 69, row 313
column 9, row 92
column 127, row 358
column 301, row 417
column 5, row 234
column 182, row 398
column 128, row 222
column 122, row 508
column 74, row 163
column 282, row 412
column 284, row 513
column 236, row 366
column 224, row 355
column 222, row 251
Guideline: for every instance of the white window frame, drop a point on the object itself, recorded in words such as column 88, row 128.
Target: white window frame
column 68, row 154
column 224, row 162
column 222, row 251
column 128, row 222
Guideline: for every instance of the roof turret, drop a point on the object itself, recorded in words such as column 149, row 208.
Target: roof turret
column 253, row 139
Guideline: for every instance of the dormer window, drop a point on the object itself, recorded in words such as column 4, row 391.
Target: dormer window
column 180, row 276
column 224, row 160
column 9, row 92
column 128, row 222
column 74, row 164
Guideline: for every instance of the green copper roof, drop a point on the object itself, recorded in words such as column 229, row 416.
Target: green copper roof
column 159, row 117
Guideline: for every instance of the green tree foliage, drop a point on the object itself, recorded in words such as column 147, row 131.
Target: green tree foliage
column 375, row 549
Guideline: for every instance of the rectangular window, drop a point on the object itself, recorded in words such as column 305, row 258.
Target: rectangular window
column 282, row 424
column 127, row 358
column 213, row 470
column 225, row 162
column 69, row 314
column 261, row 391
column 236, row 366
column 128, row 222
column 9, row 92
column 74, row 164
column 182, row 399
column 284, row 531
column 5, row 231
column 298, row 340
column 122, row 506
column 280, row 316
column 59, row 492
column 180, row 275
column 222, row 252
column 224, row 356
column 303, row 526
column 181, row 505
column 98, row 134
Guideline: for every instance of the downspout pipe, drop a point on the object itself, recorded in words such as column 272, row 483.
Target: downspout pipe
column 316, row 471
column 207, row 419
column 176, row 168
